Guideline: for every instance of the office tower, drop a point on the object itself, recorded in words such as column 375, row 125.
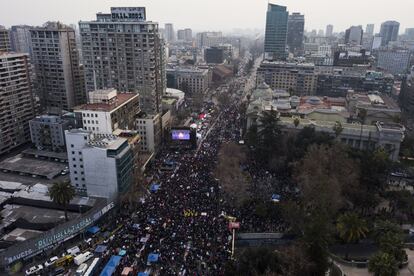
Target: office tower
column 20, row 39
column 181, row 35
column 353, row 35
column 59, row 75
column 409, row 33
column 169, row 32
column 394, row 61
column 321, row 33
column 296, row 26
column 369, row 31
column 389, row 32
column 122, row 50
column 209, row 39
column 100, row 165
column 4, row 40
column 329, row 30
column 16, row 100
column 376, row 42
column 188, row 34
column 276, row 32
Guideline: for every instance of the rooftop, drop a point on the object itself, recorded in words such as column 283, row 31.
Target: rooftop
column 107, row 141
column 122, row 98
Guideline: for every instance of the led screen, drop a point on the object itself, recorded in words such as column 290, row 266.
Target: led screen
column 180, row 134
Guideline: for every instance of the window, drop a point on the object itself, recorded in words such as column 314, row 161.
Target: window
column 73, row 152
column 71, row 145
column 73, row 159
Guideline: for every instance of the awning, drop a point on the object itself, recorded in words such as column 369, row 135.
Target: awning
column 93, row 229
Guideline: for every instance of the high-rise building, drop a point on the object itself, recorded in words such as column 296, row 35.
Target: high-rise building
column 16, row 100
column 4, row 40
column 389, row 32
column 296, row 26
column 188, row 34
column 329, row 30
column 369, row 31
column 209, row 39
column 276, row 32
column 353, row 35
column 20, row 39
column 169, row 32
column 394, row 61
column 409, row 33
column 100, row 165
column 122, row 50
column 59, row 75
column 181, row 35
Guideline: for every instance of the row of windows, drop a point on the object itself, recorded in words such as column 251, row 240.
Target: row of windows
column 89, row 115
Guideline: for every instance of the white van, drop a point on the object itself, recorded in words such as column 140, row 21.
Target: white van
column 81, row 269
column 81, row 258
column 74, row 251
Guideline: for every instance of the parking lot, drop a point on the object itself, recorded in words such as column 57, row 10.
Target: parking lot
column 32, row 167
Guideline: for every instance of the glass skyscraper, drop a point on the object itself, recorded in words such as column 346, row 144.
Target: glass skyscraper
column 276, row 32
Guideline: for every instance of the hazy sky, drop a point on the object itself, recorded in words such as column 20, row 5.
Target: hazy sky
column 214, row 14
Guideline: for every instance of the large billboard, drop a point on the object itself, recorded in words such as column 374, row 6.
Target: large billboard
column 180, row 134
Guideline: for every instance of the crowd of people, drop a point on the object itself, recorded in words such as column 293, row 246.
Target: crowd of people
column 184, row 221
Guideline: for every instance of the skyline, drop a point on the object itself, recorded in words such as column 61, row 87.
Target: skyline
column 198, row 14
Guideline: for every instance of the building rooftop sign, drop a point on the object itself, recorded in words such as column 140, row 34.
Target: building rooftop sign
column 123, row 14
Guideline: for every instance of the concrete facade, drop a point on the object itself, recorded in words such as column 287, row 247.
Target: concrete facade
column 126, row 54
column 16, row 100
column 47, row 132
column 60, row 81
column 101, row 165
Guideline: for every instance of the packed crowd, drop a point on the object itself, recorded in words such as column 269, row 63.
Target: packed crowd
column 184, row 222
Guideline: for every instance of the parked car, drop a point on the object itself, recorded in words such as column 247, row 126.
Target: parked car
column 51, row 261
column 34, row 269
column 81, row 258
column 81, row 269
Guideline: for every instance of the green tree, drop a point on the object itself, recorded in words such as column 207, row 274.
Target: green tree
column 62, row 193
column 390, row 239
column 383, row 264
column 269, row 134
column 351, row 227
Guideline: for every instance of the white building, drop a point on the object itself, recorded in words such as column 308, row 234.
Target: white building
column 101, row 165
column 109, row 110
column 149, row 127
